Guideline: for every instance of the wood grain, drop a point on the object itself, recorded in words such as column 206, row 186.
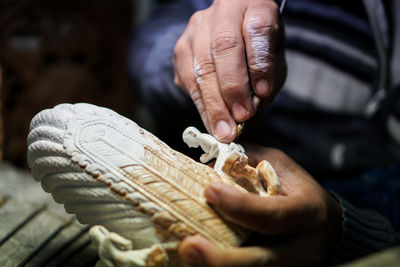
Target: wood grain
column 35, row 231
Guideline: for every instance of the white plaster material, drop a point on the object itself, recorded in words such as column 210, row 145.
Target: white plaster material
column 111, row 172
column 213, row 149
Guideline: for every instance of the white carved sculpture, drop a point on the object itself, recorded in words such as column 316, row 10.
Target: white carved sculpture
column 110, row 172
column 212, row 147
column 115, row 250
column 232, row 160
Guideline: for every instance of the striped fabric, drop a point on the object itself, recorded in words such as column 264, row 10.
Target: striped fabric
column 364, row 232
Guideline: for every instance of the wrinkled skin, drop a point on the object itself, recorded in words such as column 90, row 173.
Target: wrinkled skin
column 301, row 227
column 230, row 60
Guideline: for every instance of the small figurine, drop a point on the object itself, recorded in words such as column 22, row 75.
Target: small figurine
column 232, row 160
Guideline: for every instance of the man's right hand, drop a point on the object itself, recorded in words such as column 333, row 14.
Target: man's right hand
column 222, row 47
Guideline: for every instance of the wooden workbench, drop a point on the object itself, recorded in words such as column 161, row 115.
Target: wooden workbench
column 36, row 231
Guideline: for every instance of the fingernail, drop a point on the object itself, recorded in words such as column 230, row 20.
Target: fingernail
column 193, row 256
column 223, row 130
column 211, row 196
column 262, row 89
column 240, row 113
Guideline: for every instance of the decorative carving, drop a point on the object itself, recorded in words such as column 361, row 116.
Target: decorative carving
column 212, row 147
column 110, row 172
column 231, row 159
column 115, row 250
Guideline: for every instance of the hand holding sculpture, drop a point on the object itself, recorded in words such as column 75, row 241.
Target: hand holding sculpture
column 232, row 160
column 304, row 218
column 100, row 164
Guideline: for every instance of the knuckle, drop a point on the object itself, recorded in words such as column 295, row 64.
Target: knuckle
column 232, row 87
column 177, row 81
column 271, row 10
column 236, row 206
column 262, row 27
column 260, row 65
column 224, row 41
column 274, row 6
column 262, row 24
column 278, row 155
column 200, row 108
column 319, row 210
column 203, row 68
column 196, row 18
column 178, row 49
column 194, row 93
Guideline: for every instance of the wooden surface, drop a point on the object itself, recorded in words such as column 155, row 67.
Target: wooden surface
column 34, row 230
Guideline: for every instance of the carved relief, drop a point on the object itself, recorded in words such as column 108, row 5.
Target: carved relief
column 146, row 196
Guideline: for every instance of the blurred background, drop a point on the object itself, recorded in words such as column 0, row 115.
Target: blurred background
column 54, row 52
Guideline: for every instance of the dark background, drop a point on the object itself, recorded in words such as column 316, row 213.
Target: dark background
column 63, row 51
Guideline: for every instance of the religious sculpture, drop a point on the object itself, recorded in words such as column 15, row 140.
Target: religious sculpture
column 144, row 196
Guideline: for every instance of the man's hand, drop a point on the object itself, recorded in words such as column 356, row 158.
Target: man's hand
column 220, row 49
column 299, row 228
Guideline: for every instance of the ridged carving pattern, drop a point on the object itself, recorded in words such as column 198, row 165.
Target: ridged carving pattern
column 109, row 171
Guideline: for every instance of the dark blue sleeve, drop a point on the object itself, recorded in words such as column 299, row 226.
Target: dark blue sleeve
column 363, row 232
column 150, row 57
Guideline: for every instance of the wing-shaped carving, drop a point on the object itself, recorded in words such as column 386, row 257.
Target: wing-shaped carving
column 109, row 171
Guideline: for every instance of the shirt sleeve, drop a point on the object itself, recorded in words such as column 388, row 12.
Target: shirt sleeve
column 150, row 57
column 364, row 232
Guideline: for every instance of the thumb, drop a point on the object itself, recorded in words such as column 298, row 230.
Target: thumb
column 198, row 251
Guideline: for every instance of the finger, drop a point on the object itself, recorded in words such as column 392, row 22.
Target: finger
column 293, row 177
column 260, row 30
column 222, row 125
column 181, row 59
column 228, row 52
column 198, row 251
column 272, row 215
column 184, row 76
